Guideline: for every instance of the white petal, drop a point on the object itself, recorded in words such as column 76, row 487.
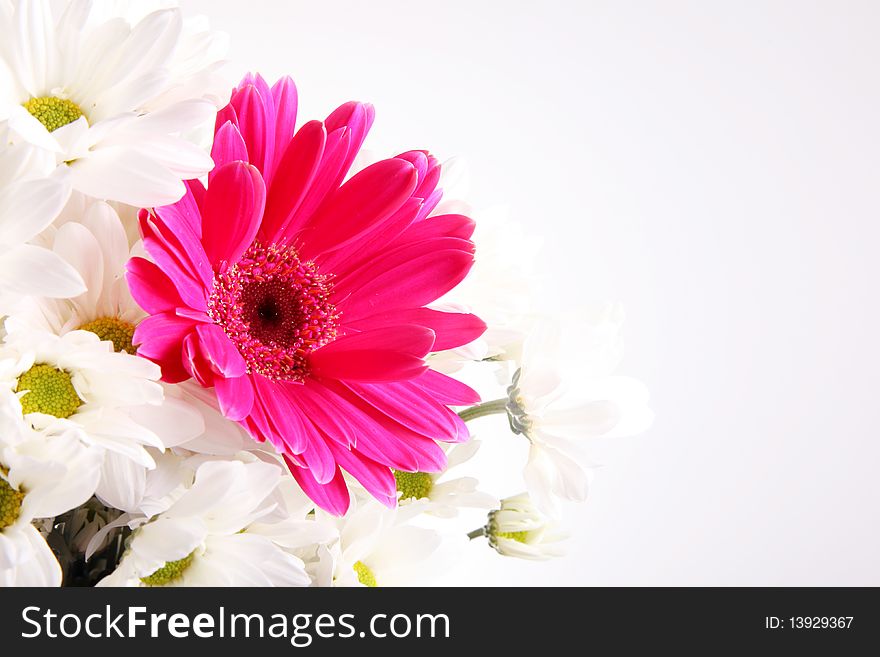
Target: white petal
column 250, row 560
column 540, row 385
column 163, row 540
column 37, row 565
column 25, row 125
column 174, row 420
column 28, row 269
column 461, row 453
column 28, row 207
column 121, row 174
column 402, row 552
column 122, row 482
column 78, row 246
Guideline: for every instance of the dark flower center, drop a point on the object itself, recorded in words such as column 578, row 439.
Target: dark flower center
column 276, row 309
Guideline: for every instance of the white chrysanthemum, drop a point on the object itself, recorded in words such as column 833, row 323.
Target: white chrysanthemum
column 561, row 396
column 77, row 382
column 373, row 549
column 113, row 101
column 90, row 238
column 203, row 537
column 519, row 530
column 440, row 495
column 29, row 201
column 40, row 477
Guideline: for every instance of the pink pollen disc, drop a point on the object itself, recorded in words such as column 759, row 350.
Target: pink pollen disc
column 276, row 310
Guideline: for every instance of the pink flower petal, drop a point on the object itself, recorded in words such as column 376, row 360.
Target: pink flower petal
column 282, row 417
column 445, row 389
column 325, row 410
column 190, row 288
column 411, row 284
column 194, row 361
column 319, row 459
column 151, row 288
column 196, row 193
column 233, row 209
column 361, row 204
column 258, row 425
column 367, row 365
column 451, row 329
column 255, row 110
column 235, row 395
column 419, row 159
column 228, row 147
column 346, row 129
column 220, row 351
column 411, row 340
column 360, row 252
column 160, row 338
column 376, row 478
column 335, row 152
column 227, row 113
column 294, row 174
column 409, row 406
column 348, row 283
column 390, row 354
column 444, row 225
column 381, row 438
column 285, row 97
column 356, row 118
column 333, row 497
column 463, row 432
column 172, row 225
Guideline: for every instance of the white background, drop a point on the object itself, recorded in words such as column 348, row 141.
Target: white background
column 714, row 166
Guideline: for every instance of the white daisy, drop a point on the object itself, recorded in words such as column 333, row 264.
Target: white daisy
column 562, row 395
column 203, row 537
column 519, row 530
column 40, row 477
column 89, row 237
column 77, row 382
column 440, row 495
column 29, row 201
column 558, row 410
column 111, row 100
column 373, row 549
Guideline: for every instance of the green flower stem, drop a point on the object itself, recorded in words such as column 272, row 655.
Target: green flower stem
column 477, row 533
column 486, row 408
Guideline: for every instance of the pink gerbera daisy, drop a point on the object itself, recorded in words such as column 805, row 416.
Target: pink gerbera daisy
column 301, row 299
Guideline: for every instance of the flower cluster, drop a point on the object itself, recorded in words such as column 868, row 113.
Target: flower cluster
column 236, row 350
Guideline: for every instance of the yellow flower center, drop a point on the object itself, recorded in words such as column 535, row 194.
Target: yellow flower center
column 365, row 575
column 10, row 502
column 49, row 390
column 170, row 572
column 520, row 537
column 413, row 484
column 53, row 112
column 115, row 330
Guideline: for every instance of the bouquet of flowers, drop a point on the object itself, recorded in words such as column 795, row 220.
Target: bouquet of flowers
column 239, row 352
